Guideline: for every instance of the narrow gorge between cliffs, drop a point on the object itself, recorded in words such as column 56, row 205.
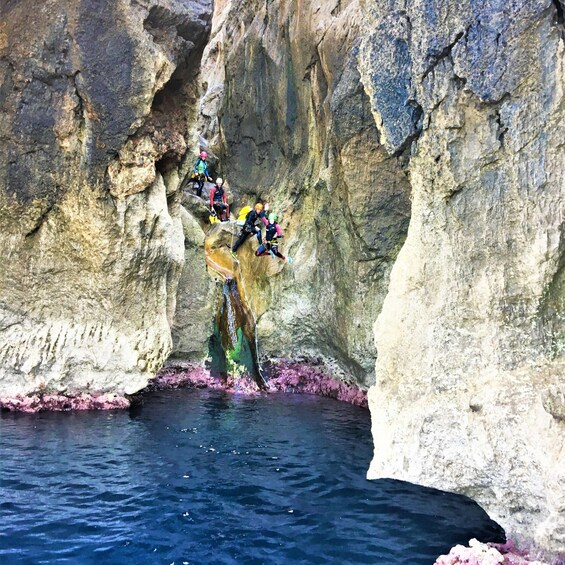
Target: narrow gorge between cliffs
column 412, row 152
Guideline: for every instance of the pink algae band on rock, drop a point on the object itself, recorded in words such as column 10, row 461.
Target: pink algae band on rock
column 63, row 403
column 297, row 377
column 286, row 376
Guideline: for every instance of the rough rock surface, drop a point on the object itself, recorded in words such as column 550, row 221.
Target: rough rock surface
column 192, row 324
column 338, row 113
column 470, row 374
column 286, row 111
column 95, row 102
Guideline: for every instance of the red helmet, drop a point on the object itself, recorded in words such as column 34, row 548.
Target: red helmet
column 203, row 154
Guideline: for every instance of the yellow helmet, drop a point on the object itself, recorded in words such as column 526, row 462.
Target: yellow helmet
column 258, row 206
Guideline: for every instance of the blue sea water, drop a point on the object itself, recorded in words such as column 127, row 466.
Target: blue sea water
column 205, row 477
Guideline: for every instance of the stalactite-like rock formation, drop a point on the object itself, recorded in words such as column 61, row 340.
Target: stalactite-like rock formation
column 96, row 100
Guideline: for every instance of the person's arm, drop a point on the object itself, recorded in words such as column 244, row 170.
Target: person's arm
column 195, row 169
column 212, row 192
column 207, row 173
column 279, row 231
column 263, row 218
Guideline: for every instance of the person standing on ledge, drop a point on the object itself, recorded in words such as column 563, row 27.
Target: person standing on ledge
column 200, row 172
column 219, row 202
column 272, row 235
column 250, row 227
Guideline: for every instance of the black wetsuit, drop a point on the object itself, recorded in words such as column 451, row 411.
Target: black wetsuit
column 218, row 202
column 272, row 233
column 249, row 228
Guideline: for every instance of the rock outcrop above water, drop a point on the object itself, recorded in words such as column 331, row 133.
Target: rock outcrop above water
column 96, row 101
column 470, row 372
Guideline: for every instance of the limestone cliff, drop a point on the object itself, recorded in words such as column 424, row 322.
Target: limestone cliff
column 96, row 100
column 285, row 109
column 470, row 371
column 348, row 116
column 466, row 102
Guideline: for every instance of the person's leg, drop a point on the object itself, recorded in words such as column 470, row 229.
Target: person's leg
column 275, row 250
column 200, row 186
column 262, row 250
column 259, row 236
column 242, row 237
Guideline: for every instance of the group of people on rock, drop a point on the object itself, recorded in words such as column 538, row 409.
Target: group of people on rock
column 219, row 208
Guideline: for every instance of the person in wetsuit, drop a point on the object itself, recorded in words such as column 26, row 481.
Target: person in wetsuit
column 273, row 233
column 219, row 201
column 250, row 227
column 200, row 172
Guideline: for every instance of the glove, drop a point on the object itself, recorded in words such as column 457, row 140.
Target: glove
column 212, row 212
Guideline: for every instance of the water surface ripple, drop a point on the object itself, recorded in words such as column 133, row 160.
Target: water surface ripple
column 204, row 477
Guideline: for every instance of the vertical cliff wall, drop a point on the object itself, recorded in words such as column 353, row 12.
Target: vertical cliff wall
column 96, row 99
column 338, row 113
column 461, row 106
column 469, row 392
column 287, row 112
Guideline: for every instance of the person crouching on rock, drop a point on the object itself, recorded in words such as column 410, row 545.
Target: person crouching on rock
column 219, row 202
column 250, row 227
column 273, row 233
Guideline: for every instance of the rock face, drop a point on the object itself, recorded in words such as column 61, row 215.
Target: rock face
column 286, row 111
column 96, row 99
column 469, row 378
column 348, row 116
column 194, row 314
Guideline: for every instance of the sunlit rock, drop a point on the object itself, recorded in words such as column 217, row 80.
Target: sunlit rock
column 470, row 338
column 96, row 108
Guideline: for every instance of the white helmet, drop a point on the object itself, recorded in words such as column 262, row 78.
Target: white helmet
column 219, row 181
